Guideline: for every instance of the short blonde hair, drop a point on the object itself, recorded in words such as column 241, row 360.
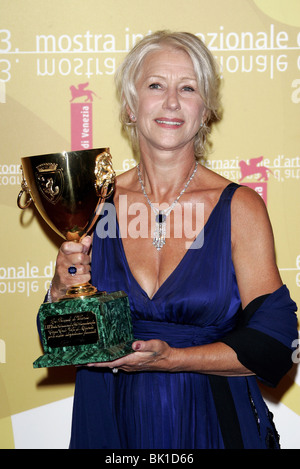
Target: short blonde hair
column 206, row 73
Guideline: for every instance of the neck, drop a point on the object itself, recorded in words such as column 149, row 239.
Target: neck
column 163, row 193
column 164, row 178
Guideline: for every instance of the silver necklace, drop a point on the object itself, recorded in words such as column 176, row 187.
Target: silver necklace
column 159, row 235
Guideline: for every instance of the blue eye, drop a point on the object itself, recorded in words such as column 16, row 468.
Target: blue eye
column 154, row 86
column 188, row 88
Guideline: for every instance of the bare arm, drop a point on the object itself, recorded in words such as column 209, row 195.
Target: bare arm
column 253, row 250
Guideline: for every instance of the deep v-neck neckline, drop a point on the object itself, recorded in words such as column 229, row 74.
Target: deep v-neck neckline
column 182, row 260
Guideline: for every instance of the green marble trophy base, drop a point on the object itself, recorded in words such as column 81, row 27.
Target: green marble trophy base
column 85, row 330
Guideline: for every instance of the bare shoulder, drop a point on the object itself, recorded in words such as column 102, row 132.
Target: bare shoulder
column 249, row 213
column 247, row 197
column 247, row 205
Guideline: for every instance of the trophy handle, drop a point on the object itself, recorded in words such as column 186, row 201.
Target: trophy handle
column 104, row 185
column 105, row 175
column 24, row 188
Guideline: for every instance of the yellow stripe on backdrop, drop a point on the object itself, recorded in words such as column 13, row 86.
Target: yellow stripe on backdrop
column 47, row 47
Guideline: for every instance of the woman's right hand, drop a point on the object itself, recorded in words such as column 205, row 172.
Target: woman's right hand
column 71, row 254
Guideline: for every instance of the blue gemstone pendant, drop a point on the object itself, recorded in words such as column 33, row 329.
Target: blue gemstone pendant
column 159, row 235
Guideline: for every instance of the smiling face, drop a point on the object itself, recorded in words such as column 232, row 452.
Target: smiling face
column 170, row 109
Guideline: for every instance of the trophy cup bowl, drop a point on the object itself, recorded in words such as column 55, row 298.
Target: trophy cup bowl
column 69, row 190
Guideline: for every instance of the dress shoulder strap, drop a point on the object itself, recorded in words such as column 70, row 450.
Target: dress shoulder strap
column 229, row 190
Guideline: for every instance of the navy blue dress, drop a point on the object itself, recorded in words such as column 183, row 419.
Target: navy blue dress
column 199, row 303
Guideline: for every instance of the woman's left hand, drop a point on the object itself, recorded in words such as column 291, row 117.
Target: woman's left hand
column 148, row 355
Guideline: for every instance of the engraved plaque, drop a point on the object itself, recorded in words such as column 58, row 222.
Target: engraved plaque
column 71, row 329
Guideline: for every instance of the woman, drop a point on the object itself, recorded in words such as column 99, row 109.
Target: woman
column 210, row 313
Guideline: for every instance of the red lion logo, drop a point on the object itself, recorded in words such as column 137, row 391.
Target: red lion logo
column 248, row 169
column 81, row 91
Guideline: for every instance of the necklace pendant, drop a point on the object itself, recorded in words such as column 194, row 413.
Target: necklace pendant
column 159, row 235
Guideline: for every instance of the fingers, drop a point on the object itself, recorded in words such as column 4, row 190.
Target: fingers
column 149, row 355
column 152, row 346
column 74, row 258
column 86, row 243
column 71, row 254
column 70, row 247
column 152, row 355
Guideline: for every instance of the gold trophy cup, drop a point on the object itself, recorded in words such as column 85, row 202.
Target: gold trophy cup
column 69, row 190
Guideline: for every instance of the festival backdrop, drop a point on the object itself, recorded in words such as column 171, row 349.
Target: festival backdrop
column 57, row 64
